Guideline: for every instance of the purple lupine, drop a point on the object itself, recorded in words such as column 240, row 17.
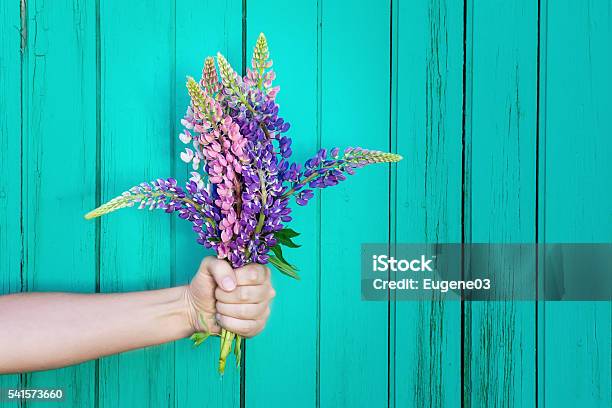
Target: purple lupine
column 237, row 198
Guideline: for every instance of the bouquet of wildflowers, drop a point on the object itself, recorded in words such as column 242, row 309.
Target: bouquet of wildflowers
column 237, row 199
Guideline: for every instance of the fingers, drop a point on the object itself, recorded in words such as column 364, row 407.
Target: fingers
column 246, row 294
column 246, row 311
column 221, row 271
column 243, row 295
column 252, row 274
column 242, row 327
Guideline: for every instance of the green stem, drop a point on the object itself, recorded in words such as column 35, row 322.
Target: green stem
column 264, row 199
column 228, row 337
column 121, row 202
column 265, row 130
column 262, row 216
column 306, row 181
column 197, row 207
column 292, row 190
column 314, row 175
column 248, row 105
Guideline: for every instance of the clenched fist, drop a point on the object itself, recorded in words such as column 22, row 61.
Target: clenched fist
column 236, row 299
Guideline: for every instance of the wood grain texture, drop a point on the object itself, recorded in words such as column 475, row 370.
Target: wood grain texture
column 284, row 357
column 354, row 334
column 384, row 76
column 500, row 336
column 10, row 159
column 137, row 112
column 197, row 381
column 58, row 180
column 427, row 120
column 575, row 118
column 10, row 149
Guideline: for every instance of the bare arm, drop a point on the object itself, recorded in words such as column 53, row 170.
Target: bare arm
column 40, row 331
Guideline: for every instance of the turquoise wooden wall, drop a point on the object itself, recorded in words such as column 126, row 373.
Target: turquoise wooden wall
column 501, row 109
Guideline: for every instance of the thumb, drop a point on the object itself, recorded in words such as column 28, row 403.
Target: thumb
column 222, row 273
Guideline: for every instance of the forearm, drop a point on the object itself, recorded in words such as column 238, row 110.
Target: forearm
column 40, row 331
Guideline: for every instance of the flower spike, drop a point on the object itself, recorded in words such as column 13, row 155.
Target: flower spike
column 161, row 193
column 261, row 54
column 229, row 77
column 197, row 94
column 328, row 169
column 261, row 76
column 210, row 78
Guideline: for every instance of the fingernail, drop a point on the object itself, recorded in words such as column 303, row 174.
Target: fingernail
column 228, row 284
column 218, row 316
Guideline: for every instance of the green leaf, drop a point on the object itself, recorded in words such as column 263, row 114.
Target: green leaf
column 288, row 232
column 284, row 237
column 287, row 242
column 199, row 338
column 283, row 266
column 238, row 350
column 278, row 251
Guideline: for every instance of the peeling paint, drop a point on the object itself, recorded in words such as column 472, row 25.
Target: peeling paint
column 23, row 9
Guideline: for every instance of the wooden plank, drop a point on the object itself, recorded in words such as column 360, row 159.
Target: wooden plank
column 576, row 128
column 10, row 159
column 137, row 111
column 197, row 381
column 59, row 172
column 290, row 338
column 355, row 111
column 500, row 336
column 427, row 107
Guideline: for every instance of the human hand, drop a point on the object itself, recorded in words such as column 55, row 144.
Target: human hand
column 236, row 299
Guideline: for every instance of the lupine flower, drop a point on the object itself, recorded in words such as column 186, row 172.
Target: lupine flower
column 237, row 198
column 210, row 78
